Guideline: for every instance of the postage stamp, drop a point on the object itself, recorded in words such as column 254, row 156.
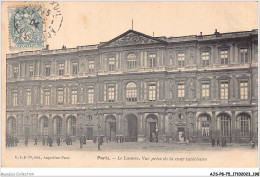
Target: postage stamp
column 25, row 27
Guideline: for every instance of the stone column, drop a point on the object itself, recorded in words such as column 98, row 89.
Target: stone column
column 141, row 137
column 54, row 126
column 50, row 125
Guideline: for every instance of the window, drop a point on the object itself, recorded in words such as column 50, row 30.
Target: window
column 60, row 96
column 90, row 95
column 181, row 59
column 205, row 58
column 225, row 125
column 244, row 90
column 15, row 99
column 224, row 57
column 45, row 122
column 152, row 92
column 74, row 96
column 61, row 69
column 244, row 125
column 205, row 120
column 73, row 125
column 16, row 71
column 181, row 91
column 91, row 66
column 111, row 63
column 224, row 91
column 28, row 97
column 74, row 68
column 131, row 92
column 152, row 60
column 12, row 122
column 131, row 61
column 244, row 55
column 205, row 91
column 47, row 97
column 58, row 125
column 47, row 70
column 31, row 70
column 111, row 93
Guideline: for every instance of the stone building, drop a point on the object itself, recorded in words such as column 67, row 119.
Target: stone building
column 138, row 87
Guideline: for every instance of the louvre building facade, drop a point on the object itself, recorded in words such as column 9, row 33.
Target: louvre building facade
column 138, row 87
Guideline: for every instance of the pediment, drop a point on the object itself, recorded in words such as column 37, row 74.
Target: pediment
column 131, row 37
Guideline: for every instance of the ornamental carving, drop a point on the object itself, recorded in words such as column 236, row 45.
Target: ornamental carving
column 132, row 39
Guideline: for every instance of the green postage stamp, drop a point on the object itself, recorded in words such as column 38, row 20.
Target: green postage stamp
column 25, row 27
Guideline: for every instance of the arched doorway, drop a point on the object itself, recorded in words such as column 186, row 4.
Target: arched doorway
column 110, row 128
column 71, row 125
column 152, row 123
column 44, row 126
column 57, row 125
column 132, row 128
column 225, row 125
column 244, row 125
column 11, row 126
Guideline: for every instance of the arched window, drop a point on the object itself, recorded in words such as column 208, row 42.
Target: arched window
column 45, row 122
column 225, row 124
column 205, row 124
column 131, row 92
column 12, row 125
column 244, row 124
column 131, row 61
column 58, row 125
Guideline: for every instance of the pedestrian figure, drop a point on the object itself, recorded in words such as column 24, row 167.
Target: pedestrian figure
column 222, row 142
column 218, row 142
column 16, row 141
column 35, row 140
column 84, row 139
column 252, row 144
column 58, row 141
column 43, row 140
column 26, row 141
column 213, row 142
column 225, row 142
column 50, row 142
column 12, row 141
column 70, row 140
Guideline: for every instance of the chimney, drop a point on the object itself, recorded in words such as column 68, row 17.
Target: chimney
column 47, row 47
column 200, row 33
column 217, row 33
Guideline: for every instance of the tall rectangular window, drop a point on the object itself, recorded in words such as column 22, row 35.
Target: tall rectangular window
column 243, row 90
column 224, row 57
column 60, row 96
column 205, row 58
column 15, row 98
column 47, row 97
column 16, row 71
column 111, row 93
column 152, row 92
column 244, row 55
column 74, row 96
column 31, row 70
column 111, row 64
column 74, row 68
column 205, row 91
column 47, row 70
column 91, row 66
column 28, row 97
column 181, row 91
column 152, row 60
column 61, row 69
column 224, row 91
column 181, row 59
column 90, row 95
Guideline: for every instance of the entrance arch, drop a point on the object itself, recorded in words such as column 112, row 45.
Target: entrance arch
column 11, row 126
column 110, row 127
column 44, row 125
column 152, row 127
column 132, row 128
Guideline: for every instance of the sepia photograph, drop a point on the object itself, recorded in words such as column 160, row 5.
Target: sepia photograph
column 129, row 84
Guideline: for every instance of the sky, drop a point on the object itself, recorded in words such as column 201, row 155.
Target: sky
column 87, row 23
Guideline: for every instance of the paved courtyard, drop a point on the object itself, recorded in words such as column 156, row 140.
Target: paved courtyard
column 132, row 146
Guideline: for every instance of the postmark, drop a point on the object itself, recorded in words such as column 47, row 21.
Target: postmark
column 26, row 27
column 52, row 19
